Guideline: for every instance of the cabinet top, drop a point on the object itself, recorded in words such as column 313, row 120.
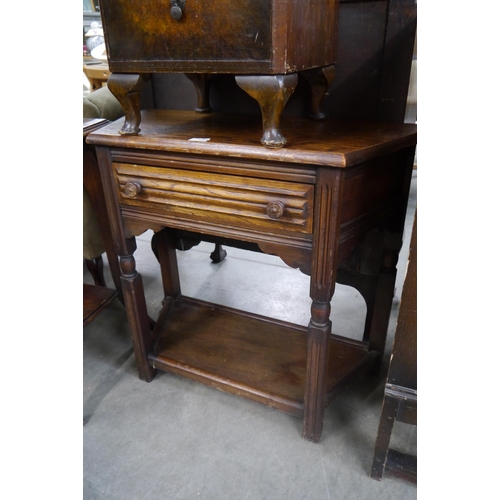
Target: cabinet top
column 332, row 143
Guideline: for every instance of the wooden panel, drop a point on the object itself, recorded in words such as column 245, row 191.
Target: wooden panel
column 398, row 54
column 312, row 34
column 375, row 197
column 385, row 178
column 354, row 93
column 227, row 199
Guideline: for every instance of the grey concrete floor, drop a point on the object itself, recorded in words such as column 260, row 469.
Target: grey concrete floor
column 178, row 439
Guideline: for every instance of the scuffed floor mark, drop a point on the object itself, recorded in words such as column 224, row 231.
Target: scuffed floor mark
column 324, row 474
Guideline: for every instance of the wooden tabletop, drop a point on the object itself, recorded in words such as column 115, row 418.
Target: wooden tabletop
column 91, row 124
column 330, row 142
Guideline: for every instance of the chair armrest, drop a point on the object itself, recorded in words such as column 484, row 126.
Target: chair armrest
column 102, row 104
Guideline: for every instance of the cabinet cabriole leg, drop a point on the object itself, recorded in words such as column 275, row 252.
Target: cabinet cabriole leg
column 127, row 89
column 319, row 80
column 163, row 244
column 272, row 93
column 201, row 82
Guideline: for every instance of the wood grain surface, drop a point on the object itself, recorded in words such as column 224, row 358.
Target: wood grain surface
column 331, row 143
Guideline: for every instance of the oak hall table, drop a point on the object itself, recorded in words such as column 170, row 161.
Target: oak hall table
column 332, row 203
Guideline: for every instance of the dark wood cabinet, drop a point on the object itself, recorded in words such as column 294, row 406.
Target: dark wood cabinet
column 336, row 188
column 264, row 43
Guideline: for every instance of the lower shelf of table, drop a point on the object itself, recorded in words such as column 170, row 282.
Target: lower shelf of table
column 252, row 356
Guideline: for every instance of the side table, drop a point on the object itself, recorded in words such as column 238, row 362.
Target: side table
column 338, row 189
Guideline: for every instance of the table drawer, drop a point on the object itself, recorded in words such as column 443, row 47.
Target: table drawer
column 206, row 30
column 223, row 199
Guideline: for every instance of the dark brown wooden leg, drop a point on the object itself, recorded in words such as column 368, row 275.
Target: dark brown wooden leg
column 319, row 80
column 389, row 410
column 324, row 266
column 135, row 304
column 219, row 254
column 272, row 93
column 95, row 267
column 127, row 89
column 361, row 272
column 163, row 244
column 384, row 293
column 202, row 82
column 319, row 331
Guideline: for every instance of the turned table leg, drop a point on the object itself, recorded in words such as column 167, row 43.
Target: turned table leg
column 272, row 93
column 319, row 331
column 319, row 80
column 163, row 245
column 127, row 89
column 202, row 83
column 135, row 305
column 373, row 274
column 323, row 275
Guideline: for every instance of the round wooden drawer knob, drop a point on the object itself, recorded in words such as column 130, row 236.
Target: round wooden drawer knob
column 275, row 209
column 176, row 9
column 131, row 189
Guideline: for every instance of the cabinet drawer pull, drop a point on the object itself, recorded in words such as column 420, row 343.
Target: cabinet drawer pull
column 131, row 189
column 275, row 209
column 176, row 9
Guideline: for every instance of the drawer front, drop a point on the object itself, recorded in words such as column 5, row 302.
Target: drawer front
column 206, row 30
column 222, row 199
